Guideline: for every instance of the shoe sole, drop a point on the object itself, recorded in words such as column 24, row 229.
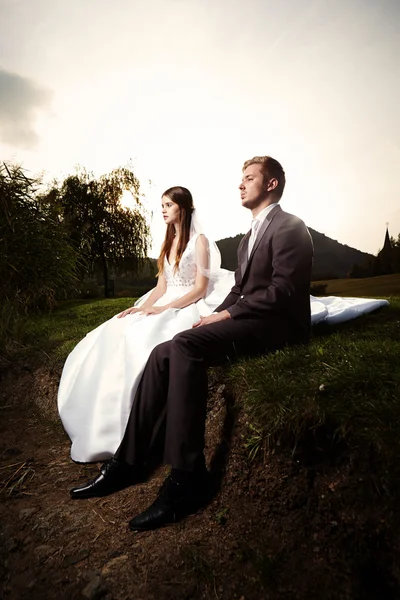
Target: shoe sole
column 84, row 496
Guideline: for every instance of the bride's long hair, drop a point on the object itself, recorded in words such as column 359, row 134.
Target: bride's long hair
column 183, row 198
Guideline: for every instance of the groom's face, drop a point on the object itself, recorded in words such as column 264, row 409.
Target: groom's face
column 253, row 189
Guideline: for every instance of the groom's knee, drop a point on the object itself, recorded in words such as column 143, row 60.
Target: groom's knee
column 181, row 338
column 161, row 351
column 185, row 343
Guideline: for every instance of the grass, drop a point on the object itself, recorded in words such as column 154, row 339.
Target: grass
column 58, row 332
column 373, row 287
column 15, row 481
column 345, row 383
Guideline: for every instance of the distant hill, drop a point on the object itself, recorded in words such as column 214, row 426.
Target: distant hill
column 331, row 259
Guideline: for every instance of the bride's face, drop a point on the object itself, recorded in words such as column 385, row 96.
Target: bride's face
column 170, row 211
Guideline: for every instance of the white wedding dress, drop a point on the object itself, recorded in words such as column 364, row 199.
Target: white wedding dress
column 102, row 373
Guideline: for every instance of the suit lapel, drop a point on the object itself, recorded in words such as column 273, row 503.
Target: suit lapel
column 267, row 221
column 244, row 253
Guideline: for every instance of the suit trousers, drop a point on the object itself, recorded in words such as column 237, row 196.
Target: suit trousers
column 167, row 420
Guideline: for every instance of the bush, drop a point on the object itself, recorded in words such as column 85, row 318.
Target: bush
column 90, row 289
column 37, row 265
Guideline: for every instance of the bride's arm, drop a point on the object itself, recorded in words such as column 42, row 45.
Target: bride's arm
column 198, row 292
column 201, row 282
column 158, row 291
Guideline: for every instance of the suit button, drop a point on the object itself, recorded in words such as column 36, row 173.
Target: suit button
column 241, row 297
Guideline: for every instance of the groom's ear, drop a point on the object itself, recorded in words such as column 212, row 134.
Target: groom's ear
column 272, row 184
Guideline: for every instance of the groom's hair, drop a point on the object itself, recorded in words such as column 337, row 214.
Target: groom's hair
column 271, row 169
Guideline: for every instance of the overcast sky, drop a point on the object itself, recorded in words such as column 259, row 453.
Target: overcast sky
column 190, row 89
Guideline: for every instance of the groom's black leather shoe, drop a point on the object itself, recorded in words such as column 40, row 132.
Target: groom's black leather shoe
column 114, row 476
column 174, row 501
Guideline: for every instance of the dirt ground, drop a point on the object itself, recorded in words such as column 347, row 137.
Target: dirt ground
column 292, row 528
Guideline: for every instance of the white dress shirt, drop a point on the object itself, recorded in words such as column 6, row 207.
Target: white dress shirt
column 256, row 224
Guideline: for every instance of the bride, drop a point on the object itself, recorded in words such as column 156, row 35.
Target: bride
column 102, row 373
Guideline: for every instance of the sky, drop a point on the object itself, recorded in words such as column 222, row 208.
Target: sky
column 187, row 90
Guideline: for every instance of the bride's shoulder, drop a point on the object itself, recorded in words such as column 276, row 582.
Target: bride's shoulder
column 198, row 242
column 199, row 238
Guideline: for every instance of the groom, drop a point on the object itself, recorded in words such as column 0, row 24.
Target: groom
column 267, row 308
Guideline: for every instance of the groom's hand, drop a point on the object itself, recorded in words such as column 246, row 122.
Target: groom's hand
column 214, row 318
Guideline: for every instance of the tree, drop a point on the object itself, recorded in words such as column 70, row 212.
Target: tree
column 396, row 254
column 37, row 264
column 100, row 228
column 369, row 268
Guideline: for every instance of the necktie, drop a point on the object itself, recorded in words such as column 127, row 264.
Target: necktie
column 254, row 228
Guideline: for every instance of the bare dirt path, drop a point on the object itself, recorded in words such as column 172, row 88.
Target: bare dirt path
column 275, row 530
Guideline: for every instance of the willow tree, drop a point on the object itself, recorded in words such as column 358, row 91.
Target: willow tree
column 100, row 228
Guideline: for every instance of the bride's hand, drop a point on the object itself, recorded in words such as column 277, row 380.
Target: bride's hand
column 155, row 310
column 129, row 311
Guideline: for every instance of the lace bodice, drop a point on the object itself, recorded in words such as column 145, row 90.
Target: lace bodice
column 185, row 275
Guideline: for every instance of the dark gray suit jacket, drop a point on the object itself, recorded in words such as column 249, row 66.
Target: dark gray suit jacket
column 273, row 284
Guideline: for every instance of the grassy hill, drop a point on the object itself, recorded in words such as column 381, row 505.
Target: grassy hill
column 333, row 259
column 305, row 445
